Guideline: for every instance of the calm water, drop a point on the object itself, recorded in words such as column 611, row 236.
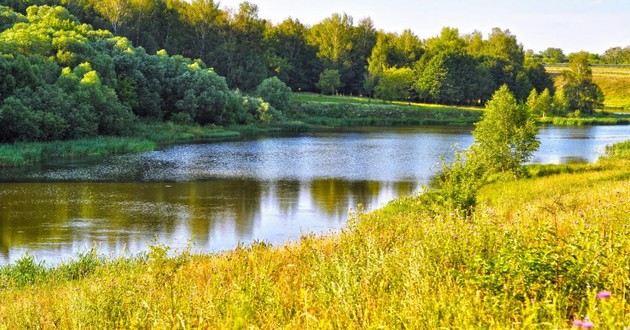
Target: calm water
column 210, row 197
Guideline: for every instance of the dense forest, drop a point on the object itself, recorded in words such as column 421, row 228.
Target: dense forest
column 78, row 68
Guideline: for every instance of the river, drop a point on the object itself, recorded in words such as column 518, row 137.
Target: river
column 211, row 197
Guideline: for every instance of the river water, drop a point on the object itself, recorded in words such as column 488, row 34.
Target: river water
column 211, row 197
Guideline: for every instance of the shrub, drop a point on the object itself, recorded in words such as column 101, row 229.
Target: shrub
column 275, row 92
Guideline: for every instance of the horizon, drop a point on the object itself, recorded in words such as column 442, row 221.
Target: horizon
column 589, row 25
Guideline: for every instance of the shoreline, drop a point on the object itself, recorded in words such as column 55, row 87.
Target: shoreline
column 155, row 136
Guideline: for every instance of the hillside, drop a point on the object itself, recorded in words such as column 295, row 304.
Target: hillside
column 614, row 80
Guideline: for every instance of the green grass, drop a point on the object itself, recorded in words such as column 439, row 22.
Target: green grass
column 21, row 154
column 613, row 80
column 147, row 137
column 601, row 118
column 343, row 111
column 533, row 255
column 338, row 99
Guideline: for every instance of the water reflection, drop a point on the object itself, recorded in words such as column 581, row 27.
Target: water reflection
column 213, row 196
column 57, row 220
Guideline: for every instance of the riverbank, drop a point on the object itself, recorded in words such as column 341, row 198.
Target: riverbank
column 306, row 116
column 311, row 112
column 146, row 137
column 534, row 254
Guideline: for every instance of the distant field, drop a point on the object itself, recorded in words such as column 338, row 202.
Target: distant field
column 350, row 111
column 312, row 97
column 614, row 80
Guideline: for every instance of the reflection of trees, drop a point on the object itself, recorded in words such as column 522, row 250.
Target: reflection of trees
column 62, row 215
column 334, row 196
column 288, row 196
column 233, row 202
column 405, row 188
column 118, row 214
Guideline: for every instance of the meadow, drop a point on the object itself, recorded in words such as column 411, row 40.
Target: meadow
column 614, row 80
column 541, row 252
column 347, row 111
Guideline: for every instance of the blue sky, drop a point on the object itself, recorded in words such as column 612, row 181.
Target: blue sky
column 593, row 25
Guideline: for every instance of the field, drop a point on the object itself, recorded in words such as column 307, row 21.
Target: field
column 535, row 254
column 345, row 111
column 614, row 80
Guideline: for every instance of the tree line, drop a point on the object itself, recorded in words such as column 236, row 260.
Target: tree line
column 337, row 54
column 612, row 56
column 61, row 79
column 91, row 67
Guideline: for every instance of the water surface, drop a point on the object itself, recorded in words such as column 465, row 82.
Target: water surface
column 211, row 197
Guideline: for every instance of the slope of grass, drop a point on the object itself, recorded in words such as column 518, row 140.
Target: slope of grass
column 534, row 255
column 346, row 111
column 613, row 80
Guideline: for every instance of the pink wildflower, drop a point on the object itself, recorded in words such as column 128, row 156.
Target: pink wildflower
column 578, row 323
column 604, row 295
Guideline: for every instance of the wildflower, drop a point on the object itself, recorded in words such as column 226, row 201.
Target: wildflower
column 604, row 295
column 578, row 323
column 587, row 325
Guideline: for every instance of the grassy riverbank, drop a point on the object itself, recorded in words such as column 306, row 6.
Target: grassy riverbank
column 534, row 255
column 310, row 112
column 146, row 137
column 326, row 111
column 600, row 118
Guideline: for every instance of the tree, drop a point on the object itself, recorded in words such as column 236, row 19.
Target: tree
column 553, row 56
column 581, row 93
column 395, row 84
column 540, row 105
column 275, row 92
column 292, row 59
column 329, row 81
column 453, row 77
column 115, row 11
column 505, row 138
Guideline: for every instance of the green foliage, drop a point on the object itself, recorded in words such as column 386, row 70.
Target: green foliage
column 395, row 84
column 105, row 82
column 276, row 92
column 553, row 56
column 505, row 138
column 580, row 91
column 540, row 105
column 450, row 77
column 329, row 81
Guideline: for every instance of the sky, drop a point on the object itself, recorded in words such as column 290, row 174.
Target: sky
column 573, row 25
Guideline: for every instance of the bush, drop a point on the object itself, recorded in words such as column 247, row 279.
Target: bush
column 275, row 92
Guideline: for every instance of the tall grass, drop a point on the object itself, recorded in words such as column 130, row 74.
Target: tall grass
column 534, row 254
column 145, row 137
column 20, row 154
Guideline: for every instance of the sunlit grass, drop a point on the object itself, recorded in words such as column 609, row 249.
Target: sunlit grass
column 534, row 255
column 613, row 80
column 320, row 98
column 348, row 111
